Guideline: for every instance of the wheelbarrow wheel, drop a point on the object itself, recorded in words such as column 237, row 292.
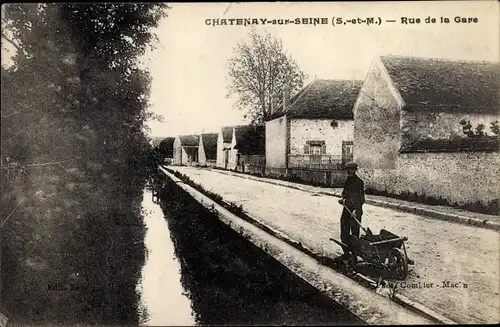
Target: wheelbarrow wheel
column 398, row 263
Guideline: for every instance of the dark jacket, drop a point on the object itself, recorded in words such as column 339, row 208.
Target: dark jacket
column 354, row 192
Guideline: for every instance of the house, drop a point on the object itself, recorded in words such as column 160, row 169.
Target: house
column 241, row 135
column 207, row 150
column 311, row 134
column 249, row 148
column 186, row 150
column 408, row 135
column 166, row 149
column 224, row 140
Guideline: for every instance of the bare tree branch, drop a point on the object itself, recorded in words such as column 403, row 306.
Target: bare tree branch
column 39, row 165
column 258, row 69
column 18, row 48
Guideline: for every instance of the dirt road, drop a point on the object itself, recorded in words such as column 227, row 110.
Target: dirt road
column 456, row 266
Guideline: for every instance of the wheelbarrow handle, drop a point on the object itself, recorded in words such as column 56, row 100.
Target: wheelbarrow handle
column 357, row 221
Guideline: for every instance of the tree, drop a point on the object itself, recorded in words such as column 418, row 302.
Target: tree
column 259, row 69
column 74, row 106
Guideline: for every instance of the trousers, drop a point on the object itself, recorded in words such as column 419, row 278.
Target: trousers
column 348, row 226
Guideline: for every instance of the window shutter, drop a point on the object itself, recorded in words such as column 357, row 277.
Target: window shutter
column 306, row 148
column 323, row 149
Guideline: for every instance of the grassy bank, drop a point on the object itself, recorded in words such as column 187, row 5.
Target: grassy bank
column 232, row 281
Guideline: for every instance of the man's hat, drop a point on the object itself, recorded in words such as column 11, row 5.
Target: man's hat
column 351, row 164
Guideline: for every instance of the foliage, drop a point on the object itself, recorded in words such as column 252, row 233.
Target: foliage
column 494, row 127
column 479, row 130
column 259, row 69
column 165, row 147
column 75, row 155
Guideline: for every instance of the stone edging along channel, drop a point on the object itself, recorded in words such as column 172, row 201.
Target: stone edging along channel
column 488, row 224
column 413, row 306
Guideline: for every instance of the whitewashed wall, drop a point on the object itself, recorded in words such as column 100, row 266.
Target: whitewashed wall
column 303, row 130
column 276, row 143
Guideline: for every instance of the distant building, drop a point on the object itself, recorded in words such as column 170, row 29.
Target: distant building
column 207, row 150
column 224, row 140
column 186, row 150
column 249, row 148
column 311, row 134
column 166, row 149
column 408, row 134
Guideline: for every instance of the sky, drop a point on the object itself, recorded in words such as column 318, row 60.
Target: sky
column 189, row 68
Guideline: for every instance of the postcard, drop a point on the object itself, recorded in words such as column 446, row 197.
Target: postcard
column 270, row 163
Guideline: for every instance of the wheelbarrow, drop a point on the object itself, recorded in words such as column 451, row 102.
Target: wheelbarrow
column 385, row 250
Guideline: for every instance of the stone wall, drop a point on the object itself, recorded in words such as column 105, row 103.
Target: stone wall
column 377, row 122
column 220, row 151
column 233, row 153
column 439, row 125
column 276, row 172
column 254, row 163
column 177, row 152
column 276, row 144
column 460, row 178
column 303, row 130
column 320, row 177
column 202, row 158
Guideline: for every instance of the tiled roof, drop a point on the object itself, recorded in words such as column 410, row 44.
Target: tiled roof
column 329, row 99
column 210, row 145
column 189, row 140
column 445, row 85
column 251, row 139
column 227, row 133
column 191, row 151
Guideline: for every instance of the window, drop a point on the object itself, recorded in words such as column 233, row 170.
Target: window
column 347, row 151
column 347, row 147
column 315, row 148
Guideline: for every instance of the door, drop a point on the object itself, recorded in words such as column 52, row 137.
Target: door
column 315, row 158
column 226, row 158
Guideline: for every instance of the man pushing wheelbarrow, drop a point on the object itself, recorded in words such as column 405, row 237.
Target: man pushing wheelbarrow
column 385, row 250
column 353, row 198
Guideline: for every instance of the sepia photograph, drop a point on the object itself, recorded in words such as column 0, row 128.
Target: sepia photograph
column 250, row 163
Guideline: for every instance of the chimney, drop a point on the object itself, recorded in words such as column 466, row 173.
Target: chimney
column 286, row 95
column 274, row 101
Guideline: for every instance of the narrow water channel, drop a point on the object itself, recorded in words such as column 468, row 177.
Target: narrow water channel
column 163, row 299
column 198, row 271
